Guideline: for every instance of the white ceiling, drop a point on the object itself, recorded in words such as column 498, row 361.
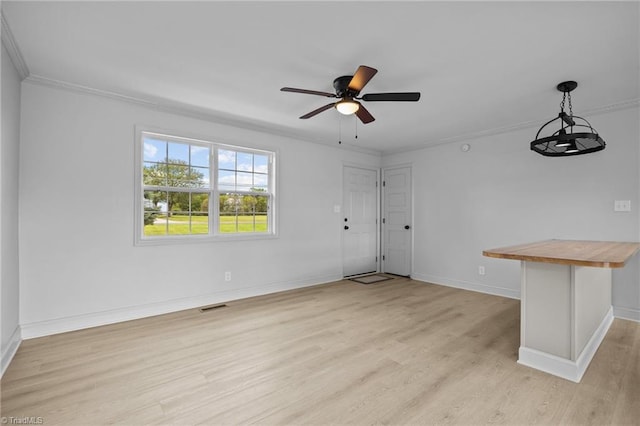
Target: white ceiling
column 482, row 67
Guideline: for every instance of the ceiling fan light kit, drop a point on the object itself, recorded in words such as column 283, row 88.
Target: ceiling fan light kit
column 347, row 88
column 565, row 141
column 347, row 106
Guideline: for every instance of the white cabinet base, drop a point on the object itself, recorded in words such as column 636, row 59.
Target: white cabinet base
column 565, row 314
column 562, row 367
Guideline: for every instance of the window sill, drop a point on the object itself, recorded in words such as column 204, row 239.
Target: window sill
column 191, row 239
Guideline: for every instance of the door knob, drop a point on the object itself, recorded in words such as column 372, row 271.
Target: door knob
column 346, row 227
column 406, row 227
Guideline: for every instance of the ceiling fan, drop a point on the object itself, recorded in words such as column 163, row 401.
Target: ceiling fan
column 348, row 88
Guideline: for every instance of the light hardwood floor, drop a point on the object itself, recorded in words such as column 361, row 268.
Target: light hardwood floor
column 395, row 352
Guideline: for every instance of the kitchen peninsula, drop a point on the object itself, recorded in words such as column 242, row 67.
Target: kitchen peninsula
column 565, row 301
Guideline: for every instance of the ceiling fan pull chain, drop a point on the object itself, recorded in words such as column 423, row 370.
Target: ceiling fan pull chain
column 356, row 121
column 339, row 130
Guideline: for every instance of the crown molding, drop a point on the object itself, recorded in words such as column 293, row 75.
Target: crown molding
column 618, row 106
column 219, row 117
column 10, row 44
column 191, row 111
column 65, row 85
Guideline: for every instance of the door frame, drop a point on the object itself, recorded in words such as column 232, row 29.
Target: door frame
column 378, row 171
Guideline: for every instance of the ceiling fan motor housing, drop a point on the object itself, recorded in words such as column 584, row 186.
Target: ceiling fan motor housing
column 341, row 84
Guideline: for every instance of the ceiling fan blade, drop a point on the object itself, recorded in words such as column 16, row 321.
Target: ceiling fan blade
column 361, row 78
column 308, row 92
column 364, row 115
column 318, row 111
column 395, row 97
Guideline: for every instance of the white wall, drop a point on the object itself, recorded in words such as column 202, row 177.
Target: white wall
column 500, row 193
column 79, row 266
column 9, row 286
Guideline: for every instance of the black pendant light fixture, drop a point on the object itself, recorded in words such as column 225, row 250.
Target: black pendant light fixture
column 575, row 135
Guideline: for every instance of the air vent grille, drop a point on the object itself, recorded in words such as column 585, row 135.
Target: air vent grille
column 212, row 307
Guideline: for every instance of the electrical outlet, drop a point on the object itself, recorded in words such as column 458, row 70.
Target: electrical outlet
column 227, row 276
column 480, row 270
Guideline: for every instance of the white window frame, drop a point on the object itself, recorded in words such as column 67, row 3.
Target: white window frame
column 213, row 190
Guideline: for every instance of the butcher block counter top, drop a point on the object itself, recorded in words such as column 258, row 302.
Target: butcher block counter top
column 601, row 254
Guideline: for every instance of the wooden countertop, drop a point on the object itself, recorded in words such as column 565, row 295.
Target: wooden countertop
column 601, row 254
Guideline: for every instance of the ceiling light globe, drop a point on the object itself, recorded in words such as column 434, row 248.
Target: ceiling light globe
column 347, row 106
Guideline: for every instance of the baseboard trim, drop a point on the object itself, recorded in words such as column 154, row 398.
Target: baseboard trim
column 467, row 285
column 79, row 322
column 630, row 314
column 565, row 368
column 10, row 351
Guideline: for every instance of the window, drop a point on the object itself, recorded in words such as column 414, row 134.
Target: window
column 194, row 189
column 243, row 185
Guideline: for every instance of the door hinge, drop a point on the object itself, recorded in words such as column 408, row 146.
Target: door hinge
column 383, row 257
column 384, row 220
column 384, row 183
column 376, row 258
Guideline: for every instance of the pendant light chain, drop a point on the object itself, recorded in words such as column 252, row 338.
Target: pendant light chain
column 564, row 98
column 568, row 95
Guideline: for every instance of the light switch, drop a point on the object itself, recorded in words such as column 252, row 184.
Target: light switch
column 336, row 208
column 622, row 205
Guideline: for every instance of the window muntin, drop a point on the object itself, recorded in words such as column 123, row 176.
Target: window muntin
column 178, row 194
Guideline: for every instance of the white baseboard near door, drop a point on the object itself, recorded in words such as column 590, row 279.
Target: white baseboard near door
column 10, row 351
column 78, row 322
column 562, row 367
column 467, row 285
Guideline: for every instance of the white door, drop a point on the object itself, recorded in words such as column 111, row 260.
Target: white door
column 360, row 233
column 396, row 222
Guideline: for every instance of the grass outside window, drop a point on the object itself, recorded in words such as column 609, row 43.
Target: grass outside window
column 189, row 225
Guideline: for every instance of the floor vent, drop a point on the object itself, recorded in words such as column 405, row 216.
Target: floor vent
column 212, row 307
